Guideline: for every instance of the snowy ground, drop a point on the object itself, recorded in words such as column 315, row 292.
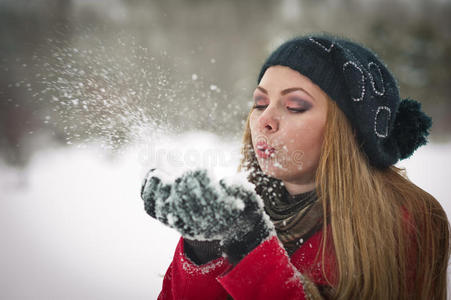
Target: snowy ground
column 72, row 224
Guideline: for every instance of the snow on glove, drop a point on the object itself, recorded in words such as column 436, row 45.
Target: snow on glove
column 204, row 210
column 200, row 252
column 153, row 189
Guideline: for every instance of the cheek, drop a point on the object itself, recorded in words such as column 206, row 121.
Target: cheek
column 252, row 125
column 308, row 138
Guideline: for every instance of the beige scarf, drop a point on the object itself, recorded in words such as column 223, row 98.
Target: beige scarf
column 296, row 218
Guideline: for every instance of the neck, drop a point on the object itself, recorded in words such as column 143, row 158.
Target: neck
column 295, row 188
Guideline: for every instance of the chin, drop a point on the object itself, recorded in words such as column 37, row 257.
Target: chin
column 287, row 175
column 275, row 172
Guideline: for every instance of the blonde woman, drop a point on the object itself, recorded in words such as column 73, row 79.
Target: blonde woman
column 323, row 212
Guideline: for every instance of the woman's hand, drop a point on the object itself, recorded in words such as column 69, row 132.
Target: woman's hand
column 201, row 209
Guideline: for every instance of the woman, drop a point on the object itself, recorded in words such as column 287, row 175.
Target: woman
column 327, row 214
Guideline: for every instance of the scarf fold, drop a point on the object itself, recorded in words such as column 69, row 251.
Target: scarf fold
column 296, row 218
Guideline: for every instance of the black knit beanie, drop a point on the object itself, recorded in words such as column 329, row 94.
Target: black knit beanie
column 387, row 128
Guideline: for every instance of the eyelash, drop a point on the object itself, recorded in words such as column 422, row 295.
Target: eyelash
column 261, row 107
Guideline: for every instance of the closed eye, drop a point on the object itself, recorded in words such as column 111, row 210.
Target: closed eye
column 299, row 110
column 260, row 107
column 294, row 110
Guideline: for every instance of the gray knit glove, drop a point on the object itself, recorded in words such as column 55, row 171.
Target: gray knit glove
column 204, row 210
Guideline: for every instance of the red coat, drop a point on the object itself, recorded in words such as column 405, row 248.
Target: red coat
column 265, row 273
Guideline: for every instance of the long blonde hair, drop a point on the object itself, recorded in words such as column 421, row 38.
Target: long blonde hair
column 390, row 237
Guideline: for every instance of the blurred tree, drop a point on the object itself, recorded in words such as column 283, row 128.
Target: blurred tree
column 193, row 64
column 23, row 26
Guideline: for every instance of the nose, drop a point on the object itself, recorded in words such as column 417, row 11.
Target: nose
column 269, row 121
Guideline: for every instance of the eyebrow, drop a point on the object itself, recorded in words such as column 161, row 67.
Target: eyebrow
column 286, row 91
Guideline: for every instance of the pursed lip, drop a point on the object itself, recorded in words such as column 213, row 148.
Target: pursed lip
column 264, row 150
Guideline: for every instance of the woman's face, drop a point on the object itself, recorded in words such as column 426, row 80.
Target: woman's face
column 287, row 126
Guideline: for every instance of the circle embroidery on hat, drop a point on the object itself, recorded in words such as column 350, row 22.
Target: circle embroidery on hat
column 327, row 49
column 376, row 78
column 356, row 90
column 382, row 121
